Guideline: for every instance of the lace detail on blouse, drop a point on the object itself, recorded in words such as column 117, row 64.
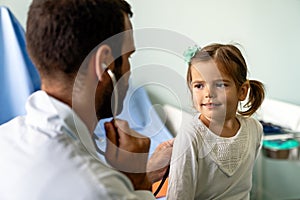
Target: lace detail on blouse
column 227, row 153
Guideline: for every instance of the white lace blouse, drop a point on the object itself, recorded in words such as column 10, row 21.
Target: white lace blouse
column 207, row 166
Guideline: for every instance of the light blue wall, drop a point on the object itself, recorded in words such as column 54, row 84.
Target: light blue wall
column 267, row 30
column 18, row 7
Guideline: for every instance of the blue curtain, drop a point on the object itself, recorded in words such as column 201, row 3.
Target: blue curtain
column 18, row 76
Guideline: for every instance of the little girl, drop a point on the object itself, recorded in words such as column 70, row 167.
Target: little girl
column 213, row 156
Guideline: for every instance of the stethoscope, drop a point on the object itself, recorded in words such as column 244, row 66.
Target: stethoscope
column 115, row 92
column 96, row 138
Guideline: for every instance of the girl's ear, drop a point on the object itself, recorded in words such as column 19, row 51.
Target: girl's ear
column 102, row 60
column 243, row 92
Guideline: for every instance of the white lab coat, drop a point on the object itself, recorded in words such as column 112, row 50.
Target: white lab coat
column 42, row 157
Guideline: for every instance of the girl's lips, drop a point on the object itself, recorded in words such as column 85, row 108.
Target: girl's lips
column 211, row 105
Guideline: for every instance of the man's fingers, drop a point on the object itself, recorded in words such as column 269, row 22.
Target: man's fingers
column 166, row 144
column 171, row 142
column 124, row 151
column 125, row 131
column 112, row 139
column 111, row 134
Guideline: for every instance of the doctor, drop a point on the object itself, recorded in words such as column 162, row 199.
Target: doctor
column 49, row 152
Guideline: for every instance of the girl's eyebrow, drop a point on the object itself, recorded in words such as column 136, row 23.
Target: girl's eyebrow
column 217, row 80
column 223, row 80
column 197, row 81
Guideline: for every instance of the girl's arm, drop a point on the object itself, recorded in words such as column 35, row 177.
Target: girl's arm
column 184, row 168
column 259, row 132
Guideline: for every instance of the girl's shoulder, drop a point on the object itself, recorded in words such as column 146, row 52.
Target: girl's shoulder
column 249, row 121
column 191, row 129
column 251, row 126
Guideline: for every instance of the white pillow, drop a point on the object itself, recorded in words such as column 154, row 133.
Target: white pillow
column 280, row 113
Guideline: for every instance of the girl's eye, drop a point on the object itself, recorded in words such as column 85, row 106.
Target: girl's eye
column 199, row 86
column 221, row 85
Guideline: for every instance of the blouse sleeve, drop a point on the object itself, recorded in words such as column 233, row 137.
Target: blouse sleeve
column 184, row 167
column 259, row 129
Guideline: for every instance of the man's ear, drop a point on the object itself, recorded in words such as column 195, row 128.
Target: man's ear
column 244, row 91
column 102, row 60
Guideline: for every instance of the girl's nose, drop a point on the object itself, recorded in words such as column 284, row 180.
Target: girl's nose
column 209, row 93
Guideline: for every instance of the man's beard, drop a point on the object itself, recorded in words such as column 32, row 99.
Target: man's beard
column 107, row 107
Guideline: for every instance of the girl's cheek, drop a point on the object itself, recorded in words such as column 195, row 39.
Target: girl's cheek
column 196, row 102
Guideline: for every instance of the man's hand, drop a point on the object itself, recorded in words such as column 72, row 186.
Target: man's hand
column 160, row 161
column 127, row 151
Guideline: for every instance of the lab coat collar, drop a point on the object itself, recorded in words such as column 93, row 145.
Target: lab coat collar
column 53, row 117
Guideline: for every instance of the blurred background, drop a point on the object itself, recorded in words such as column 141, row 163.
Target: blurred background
column 268, row 33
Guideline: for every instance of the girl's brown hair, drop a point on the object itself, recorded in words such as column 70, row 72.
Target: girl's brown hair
column 230, row 61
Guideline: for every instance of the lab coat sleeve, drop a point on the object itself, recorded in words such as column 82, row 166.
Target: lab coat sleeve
column 119, row 187
column 56, row 168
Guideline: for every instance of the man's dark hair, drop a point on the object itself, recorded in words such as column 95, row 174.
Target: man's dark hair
column 61, row 33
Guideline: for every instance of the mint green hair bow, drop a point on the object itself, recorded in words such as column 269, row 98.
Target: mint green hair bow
column 190, row 53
